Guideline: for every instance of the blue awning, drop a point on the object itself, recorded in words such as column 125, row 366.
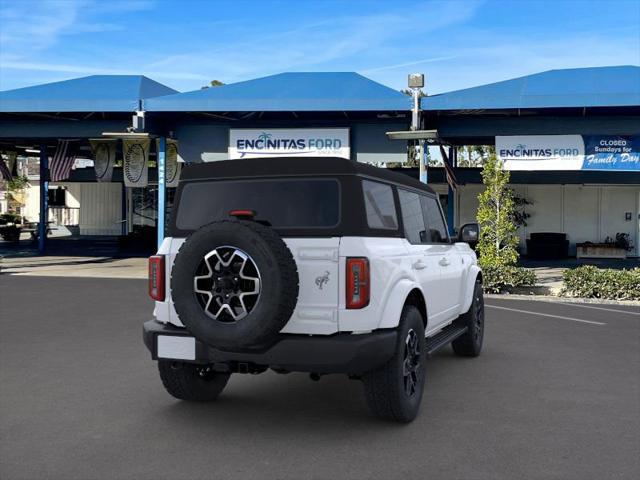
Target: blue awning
column 288, row 92
column 577, row 87
column 96, row 93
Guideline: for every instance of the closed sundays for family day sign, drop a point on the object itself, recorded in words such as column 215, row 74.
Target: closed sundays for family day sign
column 569, row 152
column 289, row 142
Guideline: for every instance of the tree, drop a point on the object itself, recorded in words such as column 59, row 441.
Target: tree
column 474, row 155
column 213, row 83
column 15, row 193
column 496, row 212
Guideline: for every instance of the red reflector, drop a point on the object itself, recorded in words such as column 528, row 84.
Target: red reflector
column 242, row 213
column 156, row 277
column 358, row 282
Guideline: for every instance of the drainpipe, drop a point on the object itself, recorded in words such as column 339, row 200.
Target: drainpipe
column 44, row 199
column 453, row 158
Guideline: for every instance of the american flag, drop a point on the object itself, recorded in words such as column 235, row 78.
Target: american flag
column 4, row 170
column 448, row 170
column 62, row 161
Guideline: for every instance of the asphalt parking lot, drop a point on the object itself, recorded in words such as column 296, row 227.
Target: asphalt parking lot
column 555, row 394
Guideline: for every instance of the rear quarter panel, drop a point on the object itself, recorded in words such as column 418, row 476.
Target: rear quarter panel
column 389, row 265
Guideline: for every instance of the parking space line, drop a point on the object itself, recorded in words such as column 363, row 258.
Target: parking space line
column 530, row 312
column 598, row 308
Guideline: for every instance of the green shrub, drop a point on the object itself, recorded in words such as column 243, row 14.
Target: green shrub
column 496, row 278
column 592, row 282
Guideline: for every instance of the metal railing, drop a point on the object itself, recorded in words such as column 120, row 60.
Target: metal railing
column 67, row 216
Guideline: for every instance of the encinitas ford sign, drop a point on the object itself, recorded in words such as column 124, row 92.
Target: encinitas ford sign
column 541, row 152
column 569, row 152
column 289, row 142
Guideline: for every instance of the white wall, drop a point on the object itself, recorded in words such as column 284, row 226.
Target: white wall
column 614, row 203
column 583, row 212
column 100, row 208
column 32, row 202
column 100, row 205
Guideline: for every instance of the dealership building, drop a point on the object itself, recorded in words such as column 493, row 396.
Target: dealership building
column 571, row 139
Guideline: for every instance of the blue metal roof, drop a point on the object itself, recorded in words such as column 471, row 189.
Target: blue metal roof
column 96, row 93
column 299, row 92
column 577, row 87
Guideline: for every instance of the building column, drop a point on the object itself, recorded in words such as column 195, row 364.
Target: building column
column 44, row 199
column 162, row 187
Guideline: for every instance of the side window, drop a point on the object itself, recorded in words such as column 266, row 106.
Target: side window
column 412, row 217
column 436, row 228
column 379, row 205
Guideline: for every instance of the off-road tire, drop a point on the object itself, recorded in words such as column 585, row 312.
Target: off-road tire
column 470, row 343
column 384, row 388
column 279, row 285
column 187, row 381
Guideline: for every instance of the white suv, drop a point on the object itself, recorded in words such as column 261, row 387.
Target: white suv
column 310, row 265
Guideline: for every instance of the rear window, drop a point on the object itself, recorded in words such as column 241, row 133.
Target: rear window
column 284, row 203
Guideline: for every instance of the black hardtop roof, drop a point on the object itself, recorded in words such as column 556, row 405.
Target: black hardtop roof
column 288, row 166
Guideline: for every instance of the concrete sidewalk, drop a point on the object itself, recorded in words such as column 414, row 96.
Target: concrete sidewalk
column 69, row 266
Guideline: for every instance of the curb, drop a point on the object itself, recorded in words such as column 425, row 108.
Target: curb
column 555, row 299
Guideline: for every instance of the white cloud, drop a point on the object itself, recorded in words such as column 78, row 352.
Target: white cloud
column 436, row 37
column 408, row 64
column 500, row 57
column 31, row 27
column 314, row 46
column 89, row 70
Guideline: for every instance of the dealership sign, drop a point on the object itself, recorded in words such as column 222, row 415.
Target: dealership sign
column 569, row 152
column 612, row 153
column 541, row 152
column 289, row 142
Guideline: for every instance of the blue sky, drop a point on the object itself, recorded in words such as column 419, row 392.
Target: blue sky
column 185, row 44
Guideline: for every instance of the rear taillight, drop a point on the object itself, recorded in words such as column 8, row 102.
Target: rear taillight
column 156, row 277
column 358, row 286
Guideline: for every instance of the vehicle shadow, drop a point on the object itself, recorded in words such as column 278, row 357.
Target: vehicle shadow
column 294, row 405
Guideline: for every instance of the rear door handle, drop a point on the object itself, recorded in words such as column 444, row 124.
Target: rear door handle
column 419, row 265
column 444, row 262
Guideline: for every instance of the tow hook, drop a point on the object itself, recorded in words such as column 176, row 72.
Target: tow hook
column 314, row 376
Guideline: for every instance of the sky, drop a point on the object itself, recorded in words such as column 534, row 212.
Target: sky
column 185, row 44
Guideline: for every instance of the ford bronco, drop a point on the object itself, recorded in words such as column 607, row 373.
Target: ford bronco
column 310, row 265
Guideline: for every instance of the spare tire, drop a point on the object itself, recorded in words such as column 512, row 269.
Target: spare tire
column 234, row 284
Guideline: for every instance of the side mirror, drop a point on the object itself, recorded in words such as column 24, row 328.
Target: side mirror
column 469, row 233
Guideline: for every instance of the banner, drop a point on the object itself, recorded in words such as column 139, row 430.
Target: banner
column 104, row 157
column 541, row 152
column 8, row 167
column 135, row 154
column 569, row 152
column 610, row 152
column 289, row 142
column 12, row 161
column 172, row 165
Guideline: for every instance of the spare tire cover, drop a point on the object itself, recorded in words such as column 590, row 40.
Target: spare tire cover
column 234, row 284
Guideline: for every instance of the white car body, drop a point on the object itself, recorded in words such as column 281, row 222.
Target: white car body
column 444, row 274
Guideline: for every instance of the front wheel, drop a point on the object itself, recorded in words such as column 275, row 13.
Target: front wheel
column 394, row 392
column 187, row 381
column 470, row 344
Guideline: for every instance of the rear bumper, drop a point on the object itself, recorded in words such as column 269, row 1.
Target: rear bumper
column 340, row 353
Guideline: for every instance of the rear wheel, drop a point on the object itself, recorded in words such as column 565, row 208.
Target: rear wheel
column 394, row 392
column 187, row 381
column 470, row 344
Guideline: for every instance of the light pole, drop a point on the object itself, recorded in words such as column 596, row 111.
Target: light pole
column 416, row 83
